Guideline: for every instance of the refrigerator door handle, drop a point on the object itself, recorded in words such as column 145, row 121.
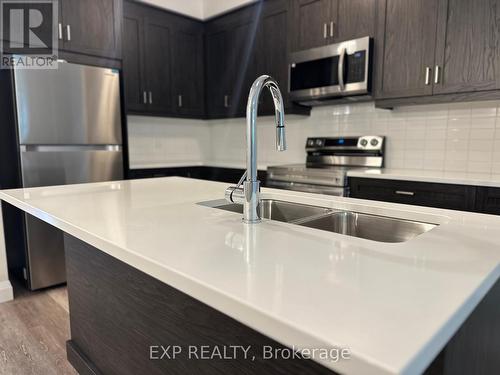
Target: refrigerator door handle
column 69, row 148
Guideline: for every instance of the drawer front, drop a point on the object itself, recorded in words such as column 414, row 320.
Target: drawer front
column 454, row 197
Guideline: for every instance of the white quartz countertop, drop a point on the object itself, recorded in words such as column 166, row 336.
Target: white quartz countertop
column 456, row 178
column 394, row 306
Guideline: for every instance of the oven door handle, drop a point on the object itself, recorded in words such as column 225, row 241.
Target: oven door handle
column 341, row 69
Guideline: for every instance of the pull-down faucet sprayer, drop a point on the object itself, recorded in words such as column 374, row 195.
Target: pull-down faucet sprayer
column 248, row 195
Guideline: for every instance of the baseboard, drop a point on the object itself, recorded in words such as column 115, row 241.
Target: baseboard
column 6, row 292
column 79, row 361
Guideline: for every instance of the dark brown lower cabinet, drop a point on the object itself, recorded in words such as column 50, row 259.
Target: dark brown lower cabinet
column 453, row 197
column 488, row 200
column 229, row 175
column 117, row 314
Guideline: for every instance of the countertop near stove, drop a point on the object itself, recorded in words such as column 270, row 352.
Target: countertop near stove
column 394, row 306
column 456, row 178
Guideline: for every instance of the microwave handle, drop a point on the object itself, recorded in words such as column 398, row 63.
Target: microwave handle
column 341, row 69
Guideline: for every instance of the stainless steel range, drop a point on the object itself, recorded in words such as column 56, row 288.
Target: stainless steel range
column 327, row 163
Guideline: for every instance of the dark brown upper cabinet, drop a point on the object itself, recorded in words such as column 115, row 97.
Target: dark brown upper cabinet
column 409, row 48
column 468, row 46
column 356, row 19
column 231, row 61
column 188, row 87
column 321, row 22
column 439, row 51
column 91, row 27
column 158, row 58
column 217, row 72
column 133, row 61
column 242, row 45
column 157, row 80
column 314, row 23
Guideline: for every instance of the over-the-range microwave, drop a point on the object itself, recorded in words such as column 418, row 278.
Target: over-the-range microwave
column 341, row 70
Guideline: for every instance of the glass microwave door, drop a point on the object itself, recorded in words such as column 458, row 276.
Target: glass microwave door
column 314, row 74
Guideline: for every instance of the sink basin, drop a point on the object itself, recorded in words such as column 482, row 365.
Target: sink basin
column 370, row 227
column 367, row 226
column 281, row 211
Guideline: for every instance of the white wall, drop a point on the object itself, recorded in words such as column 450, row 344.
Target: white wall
column 461, row 137
column 214, row 7
column 201, row 9
column 193, row 8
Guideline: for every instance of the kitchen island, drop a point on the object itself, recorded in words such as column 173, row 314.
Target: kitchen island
column 151, row 271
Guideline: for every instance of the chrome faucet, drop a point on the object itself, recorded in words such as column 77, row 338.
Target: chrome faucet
column 248, row 195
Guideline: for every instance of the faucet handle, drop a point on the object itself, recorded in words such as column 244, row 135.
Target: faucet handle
column 235, row 194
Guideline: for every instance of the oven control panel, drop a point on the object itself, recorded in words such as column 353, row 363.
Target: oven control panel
column 367, row 142
column 371, row 142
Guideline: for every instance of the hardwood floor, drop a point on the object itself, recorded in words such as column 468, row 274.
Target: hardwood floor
column 33, row 333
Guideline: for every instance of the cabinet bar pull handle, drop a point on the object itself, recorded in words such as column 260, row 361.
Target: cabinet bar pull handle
column 226, row 101
column 179, row 99
column 427, row 76
column 68, row 32
column 60, row 31
column 325, row 31
column 408, row 193
column 331, row 29
column 145, row 97
column 150, row 97
column 436, row 74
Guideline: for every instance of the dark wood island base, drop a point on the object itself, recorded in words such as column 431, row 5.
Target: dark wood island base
column 118, row 313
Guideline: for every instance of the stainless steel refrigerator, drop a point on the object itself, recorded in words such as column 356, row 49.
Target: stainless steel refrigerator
column 70, row 131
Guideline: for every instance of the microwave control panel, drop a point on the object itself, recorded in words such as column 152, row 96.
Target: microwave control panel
column 356, row 67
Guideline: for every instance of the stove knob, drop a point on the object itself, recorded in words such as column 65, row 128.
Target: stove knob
column 319, row 142
column 310, row 142
column 364, row 142
column 374, row 142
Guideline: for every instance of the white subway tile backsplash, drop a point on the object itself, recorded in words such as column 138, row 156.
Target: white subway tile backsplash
column 479, row 166
column 447, row 137
column 483, row 109
column 482, row 133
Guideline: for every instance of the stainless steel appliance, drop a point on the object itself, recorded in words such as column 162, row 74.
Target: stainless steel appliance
column 336, row 70
column 69, row 131
column 327, row 163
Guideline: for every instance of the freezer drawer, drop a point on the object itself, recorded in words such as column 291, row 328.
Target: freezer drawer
column 45, row 254
column 61, row 165
column 74, row 104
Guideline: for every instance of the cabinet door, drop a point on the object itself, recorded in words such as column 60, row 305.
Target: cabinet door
column 409, row 46
column 243, row 63
column 133, row 62
column 356, row 19
column 92, row 27
column 218, row 70
column 313, row 20
column 273, row 52
column 468, row 51
column 188, row 70
column 488, row 200
column 158, row 44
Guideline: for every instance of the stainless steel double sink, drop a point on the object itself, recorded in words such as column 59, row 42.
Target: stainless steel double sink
column 367, row 226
